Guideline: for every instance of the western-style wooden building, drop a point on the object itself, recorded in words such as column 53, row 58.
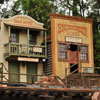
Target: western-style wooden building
column 65, row 60
column 72, row 45
column 22, row 47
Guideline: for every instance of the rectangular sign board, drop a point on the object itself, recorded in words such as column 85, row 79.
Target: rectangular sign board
column 88, row 70
column 37, row 49
column 28, row 59
column 73, row 39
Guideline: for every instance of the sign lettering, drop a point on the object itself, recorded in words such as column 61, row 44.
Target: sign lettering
column 65, row 27
column 25, row 22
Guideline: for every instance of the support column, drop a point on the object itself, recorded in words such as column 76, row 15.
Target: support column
column 28, row 41
column 45, row 44
column 9, row 30
column 9, row 33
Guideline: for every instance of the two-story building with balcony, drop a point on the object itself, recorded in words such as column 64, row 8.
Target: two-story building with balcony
column 22, row 47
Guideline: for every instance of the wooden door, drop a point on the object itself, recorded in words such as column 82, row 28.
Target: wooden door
column 73, row 54
column 73, row 57
column 14, row 69
column 31, row 69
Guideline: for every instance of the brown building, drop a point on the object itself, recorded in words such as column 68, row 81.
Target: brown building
column 72, row 45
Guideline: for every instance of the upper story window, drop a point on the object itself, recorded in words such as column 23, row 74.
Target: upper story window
column 84, row 53
column 62, row 51
column 32, row 37
column 14, row 36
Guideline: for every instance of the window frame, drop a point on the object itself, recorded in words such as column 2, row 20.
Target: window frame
column 62, row 59
column 83, row 60
column 31, row 42
column 16, row 33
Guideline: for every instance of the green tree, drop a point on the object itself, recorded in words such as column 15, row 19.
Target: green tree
column 37, row 9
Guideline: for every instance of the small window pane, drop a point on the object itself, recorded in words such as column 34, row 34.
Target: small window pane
column 83, row 53
column 14, row 35
column 62, row 51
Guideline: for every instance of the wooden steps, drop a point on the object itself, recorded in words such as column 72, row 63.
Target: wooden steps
column 87, row 80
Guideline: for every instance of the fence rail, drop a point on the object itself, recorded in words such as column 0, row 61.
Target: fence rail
column 25, row 50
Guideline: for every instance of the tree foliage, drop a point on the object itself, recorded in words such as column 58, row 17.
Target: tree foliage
column 37, row 9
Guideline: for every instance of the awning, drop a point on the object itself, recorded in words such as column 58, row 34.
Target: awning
column 25, row 26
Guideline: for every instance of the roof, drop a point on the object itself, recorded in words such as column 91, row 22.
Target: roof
column 25, row 26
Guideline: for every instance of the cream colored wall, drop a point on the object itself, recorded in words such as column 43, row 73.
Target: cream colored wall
column 40, row 38
column 23, row 69
column 23, row 37
column 60, row 66
column 4, row 39
column 40, row 69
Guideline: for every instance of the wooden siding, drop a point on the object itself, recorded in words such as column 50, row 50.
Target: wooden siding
column 47, row 69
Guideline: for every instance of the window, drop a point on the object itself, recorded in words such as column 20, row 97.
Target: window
column 14, row 35
column 84, row 53
column 62, row 51
column 32, row 37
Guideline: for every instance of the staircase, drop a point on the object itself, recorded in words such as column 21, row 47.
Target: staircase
column 83, row 80
column 74, row 80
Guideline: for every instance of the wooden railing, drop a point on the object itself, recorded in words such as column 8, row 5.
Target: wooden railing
column 68, row 69
column 5, row 78
column 81, row 69
column 25, row 50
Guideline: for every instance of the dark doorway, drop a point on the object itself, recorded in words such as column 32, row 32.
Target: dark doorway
column 74, row 68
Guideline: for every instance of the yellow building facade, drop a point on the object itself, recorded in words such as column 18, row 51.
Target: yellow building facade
column 72, row 45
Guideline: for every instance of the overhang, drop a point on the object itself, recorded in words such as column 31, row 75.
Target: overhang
column 25, row 26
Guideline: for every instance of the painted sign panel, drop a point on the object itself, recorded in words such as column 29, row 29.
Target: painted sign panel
column 88, row 70
column 28, row 59
column 65, row 27
column 37, row 49
column 73, row 39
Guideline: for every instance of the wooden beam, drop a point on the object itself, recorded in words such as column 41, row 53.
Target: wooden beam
column 28, row 41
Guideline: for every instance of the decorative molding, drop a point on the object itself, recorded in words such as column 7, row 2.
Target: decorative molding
column 52, row 15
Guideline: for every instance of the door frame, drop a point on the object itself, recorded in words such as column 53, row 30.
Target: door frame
column 33, row 69
column 9, row 77
column 78, row 44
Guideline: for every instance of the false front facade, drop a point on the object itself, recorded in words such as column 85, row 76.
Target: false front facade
column 72, row 45
column 22, row 47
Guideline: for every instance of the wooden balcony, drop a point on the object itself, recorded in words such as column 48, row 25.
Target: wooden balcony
column 24, row 50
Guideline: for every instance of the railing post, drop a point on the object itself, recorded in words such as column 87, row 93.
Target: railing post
column 9, row 30
column 2, row 73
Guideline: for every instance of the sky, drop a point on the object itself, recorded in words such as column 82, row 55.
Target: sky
column 8, row 6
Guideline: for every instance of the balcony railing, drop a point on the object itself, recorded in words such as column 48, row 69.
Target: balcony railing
column 25, row 50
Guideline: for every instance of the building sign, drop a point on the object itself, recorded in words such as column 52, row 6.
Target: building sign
column 37, row 49
column 28, row 59
column 73, row 39
column 25, row 22
column 65, row 27
column 88, row 70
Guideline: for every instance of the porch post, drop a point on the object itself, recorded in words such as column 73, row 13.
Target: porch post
column 28, row 41
column 45, row 43
column 9, row 33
